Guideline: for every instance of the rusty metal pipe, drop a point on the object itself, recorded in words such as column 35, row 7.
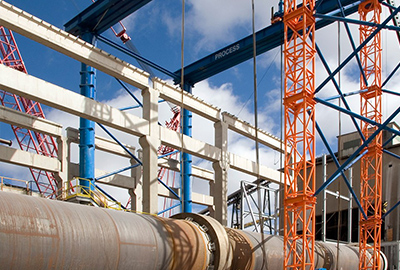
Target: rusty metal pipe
column 38, row 233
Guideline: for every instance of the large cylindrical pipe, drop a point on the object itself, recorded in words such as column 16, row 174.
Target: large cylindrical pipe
column 37, row 233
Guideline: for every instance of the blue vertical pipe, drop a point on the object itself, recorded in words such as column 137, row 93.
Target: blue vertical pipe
column 186, row 164
column 86, row 128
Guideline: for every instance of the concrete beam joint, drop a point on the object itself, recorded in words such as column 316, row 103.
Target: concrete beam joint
column 249, row 131
column 70, row 45
column 190, row 102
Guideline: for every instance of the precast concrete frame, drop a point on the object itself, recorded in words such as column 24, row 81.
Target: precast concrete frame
column 150, row 134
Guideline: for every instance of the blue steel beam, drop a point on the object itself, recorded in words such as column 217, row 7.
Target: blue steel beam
column 391, row 74
column 390, row 210
column 168, row 154
column 110, row 197
column 321, row 134
column 391, row 154
column 356, row 51
column 346, row 95
column 102, row 15
column 129, row 92
column 169, row 208
column 137, row 56
column 170, row 189
column 353, row 21
column 353, row 45
column 358, row 151
column 242, row 50
column 333, row 106
column 338, row 90
column 117, row 171
column 390, row 92
column 120, row 144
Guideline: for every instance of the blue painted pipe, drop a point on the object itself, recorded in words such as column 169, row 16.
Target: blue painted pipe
column 186, row 164
column 86, row 129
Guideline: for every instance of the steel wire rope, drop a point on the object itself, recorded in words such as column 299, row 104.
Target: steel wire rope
column 258, row 84
column 339, row 157
column 182, row 109
column 260, row 208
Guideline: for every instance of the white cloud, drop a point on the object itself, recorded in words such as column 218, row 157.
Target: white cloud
column 217, row 23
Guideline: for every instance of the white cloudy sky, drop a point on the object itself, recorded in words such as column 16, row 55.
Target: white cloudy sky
column 210, row 25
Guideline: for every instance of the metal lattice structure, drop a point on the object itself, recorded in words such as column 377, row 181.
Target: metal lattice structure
column 167, row 176
column 299, row 200
column 28, row 140
column 371, row 162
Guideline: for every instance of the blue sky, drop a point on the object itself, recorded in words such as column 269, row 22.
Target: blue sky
column 210, row 25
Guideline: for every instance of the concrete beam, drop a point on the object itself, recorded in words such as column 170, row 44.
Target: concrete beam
column 116, row 180
column 163, row 192
column 197, row 198
column 27, row 159
column 57, row 97
column 30, row 122
column 192, row 146
column 250, row 167
column 190, row 102
column 202, row 199
column 63, row 42
column 249, row 131
column 102, row 144
column 174, row 165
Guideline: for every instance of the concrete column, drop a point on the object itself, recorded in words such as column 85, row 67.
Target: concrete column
column 70, row 174
column 136, row 193
column 219, row 188
column 63, row 157
column 150, row 144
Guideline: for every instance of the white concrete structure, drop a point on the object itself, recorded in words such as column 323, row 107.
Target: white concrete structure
column 143, row 190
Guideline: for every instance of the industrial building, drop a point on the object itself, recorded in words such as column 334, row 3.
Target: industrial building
column 337, row 210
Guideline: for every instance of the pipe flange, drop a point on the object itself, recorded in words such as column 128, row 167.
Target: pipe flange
column 219, row 241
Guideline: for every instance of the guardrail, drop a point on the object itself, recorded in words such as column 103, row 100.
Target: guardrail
column 74, row 189
column 12, row 182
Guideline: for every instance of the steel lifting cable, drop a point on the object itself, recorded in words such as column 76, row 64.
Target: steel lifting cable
column 182, row 88
column 339, row 157
column 260, row 205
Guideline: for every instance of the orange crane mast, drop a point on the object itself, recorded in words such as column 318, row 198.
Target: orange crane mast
column 299, row 202
column 371, row 162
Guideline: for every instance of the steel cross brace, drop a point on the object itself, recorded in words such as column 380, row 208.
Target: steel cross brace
column 342, row 171
column 359, row 149
column 379, row 28
column 120, row 144
column 391, row 74
column 353, row 46
column 333, row 106
column 347, row 20
column 338, row 90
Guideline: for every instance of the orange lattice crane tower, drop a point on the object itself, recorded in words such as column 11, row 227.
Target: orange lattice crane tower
column 299, row 202
column 371, row 163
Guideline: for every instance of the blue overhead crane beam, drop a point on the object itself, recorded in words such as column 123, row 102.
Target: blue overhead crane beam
column 102, row 15
column 242, row 50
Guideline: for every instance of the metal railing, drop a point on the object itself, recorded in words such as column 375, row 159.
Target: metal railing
column 17, row 183
column 73, row 189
